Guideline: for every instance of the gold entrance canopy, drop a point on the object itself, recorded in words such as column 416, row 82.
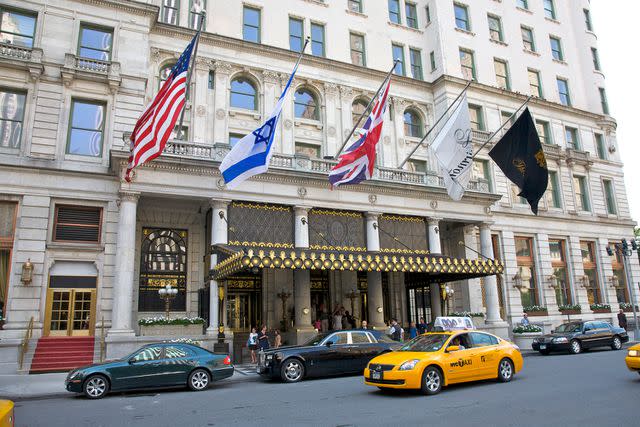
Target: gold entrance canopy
column 439, row 268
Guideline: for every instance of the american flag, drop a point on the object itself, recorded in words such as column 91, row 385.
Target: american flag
column 357, row 162
column 154, row 127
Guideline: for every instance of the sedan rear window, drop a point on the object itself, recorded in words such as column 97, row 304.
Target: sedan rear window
column 426, row 343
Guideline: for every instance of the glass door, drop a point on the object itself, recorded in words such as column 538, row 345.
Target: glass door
column 70, row 312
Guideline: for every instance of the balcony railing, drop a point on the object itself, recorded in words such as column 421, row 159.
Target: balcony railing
column 23, row 57
column 321, row 167
column 15, row 52
column 76, row 66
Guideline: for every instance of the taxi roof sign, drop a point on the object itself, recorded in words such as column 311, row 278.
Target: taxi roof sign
column 453, row 323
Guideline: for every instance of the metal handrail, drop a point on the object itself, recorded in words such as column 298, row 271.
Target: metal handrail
column 25, row 343
column 102, row 342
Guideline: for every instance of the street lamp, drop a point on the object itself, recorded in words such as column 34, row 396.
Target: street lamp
column 284, row 296
column 626, row 251
column 447, row 296
column 167, row 294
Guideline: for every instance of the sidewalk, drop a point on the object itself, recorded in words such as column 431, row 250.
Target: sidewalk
column 20, row 386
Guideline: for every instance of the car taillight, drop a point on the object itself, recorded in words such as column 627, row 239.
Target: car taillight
column 227, row 361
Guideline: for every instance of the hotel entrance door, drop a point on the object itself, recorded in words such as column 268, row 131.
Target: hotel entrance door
column 418, row 297
column 70, row 312
column 244, row 302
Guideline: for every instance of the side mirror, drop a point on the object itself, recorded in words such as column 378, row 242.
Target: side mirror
column 452, row 348
column 132, row 361
column 329, row 343
column 553, row 331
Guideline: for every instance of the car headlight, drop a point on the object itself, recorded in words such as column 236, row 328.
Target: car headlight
column 409, row 365
column 634, row 353
column 74, row 375
column 269, row 356
column 560, row 340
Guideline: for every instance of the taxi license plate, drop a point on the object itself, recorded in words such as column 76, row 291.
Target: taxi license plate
column 375, row 375
column 543, row 346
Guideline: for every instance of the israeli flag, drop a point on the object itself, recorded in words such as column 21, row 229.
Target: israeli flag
column 251, row 155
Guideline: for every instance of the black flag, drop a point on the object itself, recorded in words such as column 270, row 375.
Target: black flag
column 519, row 154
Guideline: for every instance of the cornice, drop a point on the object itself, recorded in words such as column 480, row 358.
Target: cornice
column 520, row 97
column 130, row 6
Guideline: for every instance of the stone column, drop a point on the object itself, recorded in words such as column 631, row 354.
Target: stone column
column 302, row 278
column 374, row 278
column 490, row 282
column 435, row 248
column 218, row 236
column 122, row 310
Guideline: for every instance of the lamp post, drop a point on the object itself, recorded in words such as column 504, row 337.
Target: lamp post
column 352, row 295
column 167, row 294
column 447, row 296
column 284, row 296
column 220, row 314
column 626, row 251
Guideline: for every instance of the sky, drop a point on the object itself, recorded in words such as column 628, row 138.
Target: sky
column 618, row 38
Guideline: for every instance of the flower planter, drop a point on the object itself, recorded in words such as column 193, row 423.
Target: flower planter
column 525, row 340
column 537, row 313
column 567, row 312
column 171, row 330
column 602, row 310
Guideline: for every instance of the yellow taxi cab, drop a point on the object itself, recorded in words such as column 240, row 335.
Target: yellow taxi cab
column 6, row 413
column 436, row 359
column 633, row 358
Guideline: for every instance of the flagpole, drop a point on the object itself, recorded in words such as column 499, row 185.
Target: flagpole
column 363, row 113
column 502, row 126
column 192, row 61
column 434, row 125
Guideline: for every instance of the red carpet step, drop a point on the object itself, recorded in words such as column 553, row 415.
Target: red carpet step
column 58, row 354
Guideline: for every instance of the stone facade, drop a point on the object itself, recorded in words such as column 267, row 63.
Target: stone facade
column 183, row 189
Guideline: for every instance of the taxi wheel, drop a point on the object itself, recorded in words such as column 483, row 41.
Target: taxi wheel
column 292, row 370
column 95, row 387
column 575, row 347
column 199, row 380
column 505, row 371
column 431, row 381
column 616, row 344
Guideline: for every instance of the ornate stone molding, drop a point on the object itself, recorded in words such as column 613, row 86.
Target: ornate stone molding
column 128, row 196
column 330, row 88
column 269, row 76
column 346, row 92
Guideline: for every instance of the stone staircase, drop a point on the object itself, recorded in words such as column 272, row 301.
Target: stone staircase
column 59, row 354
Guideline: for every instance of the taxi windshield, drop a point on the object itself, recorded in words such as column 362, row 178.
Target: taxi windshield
column 427, row 343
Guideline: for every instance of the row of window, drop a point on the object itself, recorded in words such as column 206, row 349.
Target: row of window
column 559, row 279
column 503, row 80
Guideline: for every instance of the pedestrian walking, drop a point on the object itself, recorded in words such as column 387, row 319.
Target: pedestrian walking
column 396, row 330
column 263, row 339
column 252, row 343
column 413, row 331
column 622, row 319
column 337, row 318
column 421, row 326
column 525, row 320
column 364, row 325
column 277, row 341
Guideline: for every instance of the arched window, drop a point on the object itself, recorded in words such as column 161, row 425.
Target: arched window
column 412, row 124
column 243, row 94
column 164, row 73
column 163, row 262
column 357, row 108
column 306, row 105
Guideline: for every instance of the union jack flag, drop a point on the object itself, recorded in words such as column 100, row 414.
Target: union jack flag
column 153, row 128
column 356, row 163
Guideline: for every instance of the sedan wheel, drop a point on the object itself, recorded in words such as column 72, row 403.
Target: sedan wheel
column 292, row 370
column 616, row 344
column 199, row 380
column 575, row 347
column 95, row 387
column 431, row 381
column 505, row 371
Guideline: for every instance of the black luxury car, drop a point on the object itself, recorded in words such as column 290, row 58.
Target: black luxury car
column 578, row 336
column 326, row 354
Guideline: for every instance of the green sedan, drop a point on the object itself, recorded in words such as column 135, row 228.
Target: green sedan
column 154, row 365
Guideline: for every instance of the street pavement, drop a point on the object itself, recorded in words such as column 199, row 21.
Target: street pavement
column 590, row 389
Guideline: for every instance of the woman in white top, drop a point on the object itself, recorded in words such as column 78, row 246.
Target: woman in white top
column 252, row 343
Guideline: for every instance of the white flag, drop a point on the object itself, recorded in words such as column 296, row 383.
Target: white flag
column 454, row 151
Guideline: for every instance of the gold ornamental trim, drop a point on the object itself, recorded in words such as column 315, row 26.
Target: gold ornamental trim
column 401, row 218
column 310, row 259
column 405, row 251
column 261, row 206
column 338, row 248
column 331, row 212
column 262, row 244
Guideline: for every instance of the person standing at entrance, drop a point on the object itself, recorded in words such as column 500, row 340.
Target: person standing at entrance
column 395, row 330
column 413, row 331
column 421, row 326
column 622, row 319
column 337, row 318
column 252, row 343
column 263, row 339
column 364, row 325
column 277, row 341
